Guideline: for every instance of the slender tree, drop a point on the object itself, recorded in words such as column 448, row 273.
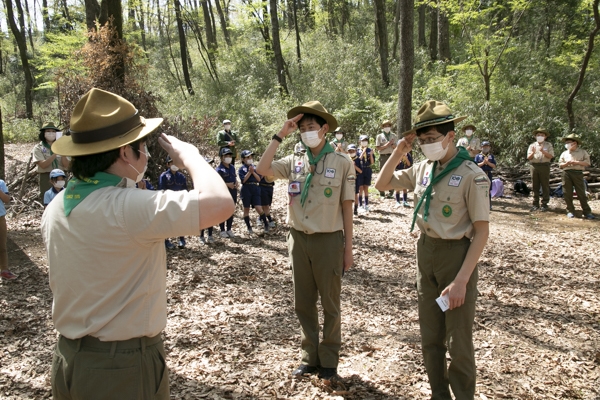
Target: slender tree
column 382, row 40
column 297, row 31
column 433, row 33
column 421, row 41
column 443, row 39
column 183, row 48
column 92, row 13
column 407, row 61
column 279, row 62
column 208, row 26
column 224, row 23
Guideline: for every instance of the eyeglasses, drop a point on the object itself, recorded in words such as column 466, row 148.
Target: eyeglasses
column 146, row 153
column 428, row 140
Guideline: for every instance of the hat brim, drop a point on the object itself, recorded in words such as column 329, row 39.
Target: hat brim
column 413, row 130
column 464, row 128
column 537, row 131
column 329, row 119
column 564, row 139
column 65, row 146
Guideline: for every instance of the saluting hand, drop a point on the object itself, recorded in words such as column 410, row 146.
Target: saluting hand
column 405, row 144
column 290, row 126
column 180, row 151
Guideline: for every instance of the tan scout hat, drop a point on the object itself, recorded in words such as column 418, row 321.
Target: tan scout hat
column 316, row 108
column 572, row 137
column 48, row 125
column 464, row 128
column 387, row 122
column 103, row 121
column 432, row 113
column 541, row 130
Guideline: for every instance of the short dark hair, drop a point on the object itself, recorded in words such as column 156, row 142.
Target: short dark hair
column 442, row 128
column 307, row 117
column 42, row 136
column 87, row 166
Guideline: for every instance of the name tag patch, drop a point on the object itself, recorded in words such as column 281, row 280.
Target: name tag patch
column 330, row 173
column 454, row 180
column 294, row 188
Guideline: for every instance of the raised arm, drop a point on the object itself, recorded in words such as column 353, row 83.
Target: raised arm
column 264, row 165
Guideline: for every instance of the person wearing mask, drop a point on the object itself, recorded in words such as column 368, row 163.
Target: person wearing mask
column 573, row 161
column 470, row 142
column 172, row 179
column 228, row 138
column 227, row 171
column 486, row 161
column 339, row 142
column 45, row 159
column 405, row 163
column 6, row 274
column 321, row 191
column 385, row 143
column 539, row 155
column 58, row 179
column 250, row 192
column 452, row 214
column 366, row 158
column 104, row 240
column 358, row 170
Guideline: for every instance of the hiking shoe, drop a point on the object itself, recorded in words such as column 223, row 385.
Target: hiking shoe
column 169, row 245
column 202, row 240
column 271, row 224
column 223, row 234
column 356, row 211
column 181, row 243
column 570, row 215
column 405, row 204
column 328, row 374
column 7, row 275
column 590, row 216
column 304, row 369
column 534, row 208
column 544, row 208
column 366, row 208
column 210, row 239
column 250, row 231
column 230, row 234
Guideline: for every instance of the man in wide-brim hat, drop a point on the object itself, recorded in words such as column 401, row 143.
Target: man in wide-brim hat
column 573, row 161
column 107, row 259
column 539, row 155
column 385, row 143
column 470, row 142
column 321, row 190
column 452, row 212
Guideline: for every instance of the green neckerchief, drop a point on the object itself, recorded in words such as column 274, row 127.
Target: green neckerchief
column 313, row 163
column 386, row 134
column 78, row 189
column 461, row 156
column 55, row 161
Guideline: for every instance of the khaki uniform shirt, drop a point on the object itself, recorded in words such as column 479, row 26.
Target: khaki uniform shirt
column 458, row 200
column 108, row 262
column 343, row 144
column 538, row 157
column 577, row 155
column 474, row 143
column 332, row 183
column 42, row 153
column 381, row 140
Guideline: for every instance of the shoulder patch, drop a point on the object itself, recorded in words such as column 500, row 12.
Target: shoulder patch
column 482, row 180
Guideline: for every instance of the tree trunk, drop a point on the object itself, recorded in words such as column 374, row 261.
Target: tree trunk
column 382, row 40
column 433, row 33
column 407, row 61
column 183, row 48
column 396, row 30
column 297, row 31
column 210, row 39
column 112, row 8
column 142, row 24
column 92, row 13
column 586, row 60
column 421, row 41
column 443, row 35
column 2, row 161
column 22, row 45
column 29, row 28
column 224, row 24
column 45, row 16
column 279, row 62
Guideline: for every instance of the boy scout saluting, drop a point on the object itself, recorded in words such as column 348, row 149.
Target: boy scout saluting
column 321, row 189
column 452, row 212
column 539, row 155
column 573, row 162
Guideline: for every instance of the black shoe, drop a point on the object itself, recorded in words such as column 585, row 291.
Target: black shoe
column 543, row 208
column 329, row 374
column 304, row 369
column 534, row 208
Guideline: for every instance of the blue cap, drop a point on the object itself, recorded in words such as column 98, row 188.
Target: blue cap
column 168, row 159
column 225, row 151
column 351, row 147
column 247, row 153
column 363, row 137
column 55, row 173
column 485, row 143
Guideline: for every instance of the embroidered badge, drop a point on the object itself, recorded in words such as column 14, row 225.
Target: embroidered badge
column 328, row 192
column 482, row 180
column 446, row 211
column 294, row 188
column 330, row 173
column 425, row 181
column 299, row 163
column 297, row 169
column 454, row 180
column 351, row 178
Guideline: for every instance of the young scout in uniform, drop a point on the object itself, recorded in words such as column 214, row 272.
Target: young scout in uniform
column 106, row 254
column 58, row 181
column 452, row 213
column 469, row 142
column 405, row 163
column 227, row 138
column 366, row 159
column 486, row 161
column 321, row 190
column 267, row 187
column 385, row 143
column 339, row 142
column 251, row 191
column 539, row 155
column 573, row 162
column 172, row 179
column 356, row 161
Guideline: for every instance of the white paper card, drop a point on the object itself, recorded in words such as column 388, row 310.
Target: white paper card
column 58, row 135
column 443, row 302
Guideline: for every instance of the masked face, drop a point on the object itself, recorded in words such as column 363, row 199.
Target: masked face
column 469, row 132
column 140, row 175
column 339, row 136
column 485, row 150
column 50, row 136
column 569, row 145
column 249, row 161
column 435, row 151
column 174, row 168
column 540, row 138
column 352, row 154
column 364, row 143
column 227, row 160
column 311, row 138
column 227, row 127
column 59, row 184
column 387, row 129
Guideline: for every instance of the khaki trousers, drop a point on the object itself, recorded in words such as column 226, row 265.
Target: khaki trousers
column 317, row 263
column 540, row 177
column 438, row 263
column 88, row 369
column 574, row 179
column 45, row 185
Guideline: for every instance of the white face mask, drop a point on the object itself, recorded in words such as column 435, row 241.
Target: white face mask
column 311, row 138
column 50, row 136
column 227, row 160
column 364, row 143
column 540, row 138
column 174, row 168
column 485, row 150
column 469, row 132
column 435, row 151
column 387, row 129
column 568, row 146
column 249, row 161
column 60, row 184
column 352, row 154
column 339, row 136
column 227, row 127
column 140, row 175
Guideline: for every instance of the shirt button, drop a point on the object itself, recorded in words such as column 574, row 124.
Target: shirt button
column 448, row 198
column 329, row 183
column 306, row 217
column 310, row 201
column 312, row 185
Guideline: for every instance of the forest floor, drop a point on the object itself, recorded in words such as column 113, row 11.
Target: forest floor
column 232, row 332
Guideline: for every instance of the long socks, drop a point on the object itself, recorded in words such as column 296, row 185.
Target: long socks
column 366, row 200
column 247, row 221
column 360, row 200
column 404, row 197
column 398, row 196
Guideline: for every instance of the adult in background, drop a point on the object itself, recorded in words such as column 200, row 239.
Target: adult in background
column 228, row 138
column 339, row 142
column 105, row 244
column 470, row 142
column 573, row 161
column 385, row 143
column 539, row 154
column 321, row 189
column 486, row 161
column 452, row 213
column 45, row 159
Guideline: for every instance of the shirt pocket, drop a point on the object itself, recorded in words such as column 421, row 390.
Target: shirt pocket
column 448, row 208
column 329, row 190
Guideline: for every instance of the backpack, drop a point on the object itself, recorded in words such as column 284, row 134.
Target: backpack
column 521, row 188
